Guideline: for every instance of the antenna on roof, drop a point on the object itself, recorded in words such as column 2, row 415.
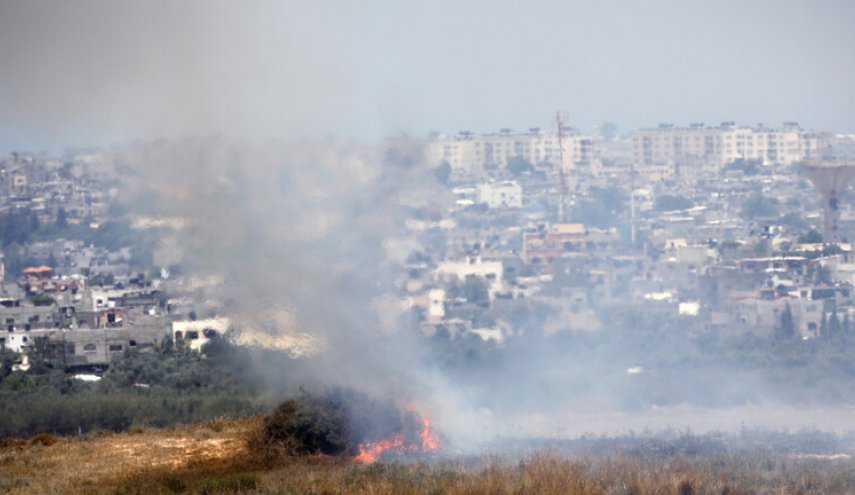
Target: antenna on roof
column 562, row 213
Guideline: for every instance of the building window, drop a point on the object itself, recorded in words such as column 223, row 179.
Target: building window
column 89, row 349
column 115, row 347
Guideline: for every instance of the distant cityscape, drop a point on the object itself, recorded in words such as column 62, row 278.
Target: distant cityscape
column 724, row 228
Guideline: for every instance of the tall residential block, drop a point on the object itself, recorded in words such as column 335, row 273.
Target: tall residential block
column 668, row 148
column 469, row 155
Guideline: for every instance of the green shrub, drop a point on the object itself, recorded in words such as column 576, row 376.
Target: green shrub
column 334, row 422
column 305, row 426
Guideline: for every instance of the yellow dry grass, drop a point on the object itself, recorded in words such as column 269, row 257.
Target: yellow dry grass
column 213, row 458
column 96, row 463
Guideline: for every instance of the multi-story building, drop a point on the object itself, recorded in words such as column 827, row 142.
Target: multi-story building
column 469, row 154
column 713, row 147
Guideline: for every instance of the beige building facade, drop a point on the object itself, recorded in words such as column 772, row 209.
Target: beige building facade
column 714, row 147
column 470, row 155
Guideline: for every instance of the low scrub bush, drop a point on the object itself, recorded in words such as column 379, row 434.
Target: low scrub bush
column 334, row 422
column 45, row 439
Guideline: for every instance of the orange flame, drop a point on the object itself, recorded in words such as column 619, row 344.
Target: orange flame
column 429, row 441
column 372, row 452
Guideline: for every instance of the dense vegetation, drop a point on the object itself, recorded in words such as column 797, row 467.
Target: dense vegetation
column 170, row 385
column 166, row 386
column 746, row 166
column 304, row 445
column 677, row 366
column 17, row 226
column 602, row 208
column 759, row 206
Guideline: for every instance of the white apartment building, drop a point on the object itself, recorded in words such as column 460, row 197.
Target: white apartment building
column 504, row 194
column 713, row 147
column 469, row 154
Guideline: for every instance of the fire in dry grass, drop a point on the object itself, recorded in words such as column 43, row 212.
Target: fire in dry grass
column 422, row 441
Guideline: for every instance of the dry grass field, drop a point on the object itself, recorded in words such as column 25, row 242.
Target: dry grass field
column 100, row 463
column 213, row 458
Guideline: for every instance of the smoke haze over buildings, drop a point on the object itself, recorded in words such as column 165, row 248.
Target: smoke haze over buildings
column 84, row 73
column 267, row 110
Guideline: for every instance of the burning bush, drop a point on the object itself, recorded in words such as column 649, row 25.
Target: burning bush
column 418, row 437
column 335, row 422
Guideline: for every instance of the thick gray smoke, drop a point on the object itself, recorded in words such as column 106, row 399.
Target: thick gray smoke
column 308, row 240
column 305, row 232
column 304, row 238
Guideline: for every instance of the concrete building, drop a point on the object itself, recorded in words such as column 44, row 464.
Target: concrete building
column 697, row 146
column 469, row 154
column 504, row 194
column 197, row 333
column 16, row 342
column 557, row 241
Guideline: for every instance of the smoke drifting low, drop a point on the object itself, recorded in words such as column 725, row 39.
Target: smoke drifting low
column 308, row 238
column 306, row 232
column 304, row 237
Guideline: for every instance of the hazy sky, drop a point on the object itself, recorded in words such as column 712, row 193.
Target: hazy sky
column 76, row 73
